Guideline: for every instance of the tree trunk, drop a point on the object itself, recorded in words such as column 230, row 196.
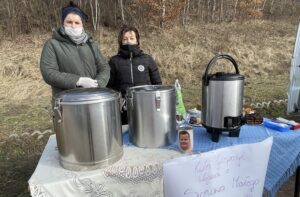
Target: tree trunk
column 271, row 7
column 265, row 1
column 10, row 19
column 122, row 11
column 198, row 8
column 213, row 10
column 283, row 7
column 235, row 7
column 209, row 11
column 187, row 11
column 221, row 10
column 94, row 9
column 162, row 22
column 184, row 11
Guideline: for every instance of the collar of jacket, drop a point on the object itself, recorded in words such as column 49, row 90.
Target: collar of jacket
column 126, row 54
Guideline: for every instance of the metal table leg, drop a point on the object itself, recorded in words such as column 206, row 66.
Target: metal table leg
column 296, row 193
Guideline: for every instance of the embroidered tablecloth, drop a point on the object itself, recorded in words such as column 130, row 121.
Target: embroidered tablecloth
column 139, row 172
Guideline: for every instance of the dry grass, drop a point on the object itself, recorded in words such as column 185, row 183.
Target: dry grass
column 263, row 50
column 19, row 71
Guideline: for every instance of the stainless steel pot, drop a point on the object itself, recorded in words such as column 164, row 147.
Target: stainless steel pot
column 88, row 128
column 152, row 115
column 222, row 99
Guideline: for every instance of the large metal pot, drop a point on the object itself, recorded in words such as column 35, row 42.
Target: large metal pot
column 222, row 99
column 88, row 128
column 152, row 115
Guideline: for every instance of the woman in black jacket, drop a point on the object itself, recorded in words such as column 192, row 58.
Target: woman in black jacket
column 131, row 66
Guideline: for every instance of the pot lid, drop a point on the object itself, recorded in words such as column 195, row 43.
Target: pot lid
column 150, row 89
column 87, row 94
column 222, row 76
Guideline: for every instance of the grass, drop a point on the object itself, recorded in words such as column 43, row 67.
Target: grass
column 25, row 117
column 18, row 159
column 256, row 90
column 262, row 49
column 19, row 155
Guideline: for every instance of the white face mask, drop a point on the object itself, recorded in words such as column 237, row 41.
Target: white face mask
column 74, row 32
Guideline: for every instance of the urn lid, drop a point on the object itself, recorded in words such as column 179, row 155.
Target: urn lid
column 87, row 94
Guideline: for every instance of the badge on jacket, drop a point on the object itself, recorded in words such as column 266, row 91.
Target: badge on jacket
column 141, row 68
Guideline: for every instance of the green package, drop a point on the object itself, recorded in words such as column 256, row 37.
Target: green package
column 180, row 109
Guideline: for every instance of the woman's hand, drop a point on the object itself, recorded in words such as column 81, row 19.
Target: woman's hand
column 87, row 82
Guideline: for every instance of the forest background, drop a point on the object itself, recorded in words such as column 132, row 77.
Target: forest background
column 181, row 35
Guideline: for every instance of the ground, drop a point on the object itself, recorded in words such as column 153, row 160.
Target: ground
column 263, row 50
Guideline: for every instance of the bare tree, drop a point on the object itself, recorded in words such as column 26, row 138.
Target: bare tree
column 235, row 8
column 209, row 10
column 200, row 10
column 94, row 5
column 122, row 11
column 162, row 22
column 186, row 10
column 283, row 7
column 221, row 16
column 263, row 6
column 214, row 8
column 272, row 6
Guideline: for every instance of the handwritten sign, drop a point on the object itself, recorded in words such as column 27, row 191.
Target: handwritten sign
column 236, row 171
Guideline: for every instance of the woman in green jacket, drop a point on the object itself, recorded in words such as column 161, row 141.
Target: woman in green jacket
column 71, row 58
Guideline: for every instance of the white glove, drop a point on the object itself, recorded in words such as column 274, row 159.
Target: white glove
column 87, row 82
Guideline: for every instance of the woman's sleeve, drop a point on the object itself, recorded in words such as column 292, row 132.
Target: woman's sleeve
column 111, row 83
column 103, row 69
column 154, row 72
column 50, row 70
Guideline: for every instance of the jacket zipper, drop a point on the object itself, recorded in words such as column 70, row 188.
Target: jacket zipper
column 131, row 69
column 79, row 54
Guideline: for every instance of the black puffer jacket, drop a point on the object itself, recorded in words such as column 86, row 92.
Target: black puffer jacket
column 126, row 72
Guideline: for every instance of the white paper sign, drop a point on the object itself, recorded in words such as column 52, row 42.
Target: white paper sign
column 236, row 171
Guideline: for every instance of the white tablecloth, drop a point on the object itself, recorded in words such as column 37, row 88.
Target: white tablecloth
column 137, row 174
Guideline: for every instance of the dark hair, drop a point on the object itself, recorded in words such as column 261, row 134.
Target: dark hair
column 184, row 132
column 127, row 29
column 72, row 8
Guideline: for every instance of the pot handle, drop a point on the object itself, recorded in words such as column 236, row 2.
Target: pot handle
column 122, row 102
column 214, row 60
column 157, row 100
column 57, row 108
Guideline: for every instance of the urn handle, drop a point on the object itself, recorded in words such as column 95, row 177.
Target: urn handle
column 214, row 60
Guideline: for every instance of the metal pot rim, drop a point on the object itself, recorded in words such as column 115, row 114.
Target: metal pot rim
column 149, row 89
column 87, row 95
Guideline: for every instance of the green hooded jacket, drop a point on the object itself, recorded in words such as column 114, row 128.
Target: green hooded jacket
column 63, row 62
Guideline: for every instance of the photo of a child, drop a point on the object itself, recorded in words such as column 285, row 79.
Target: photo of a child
column 185, row 143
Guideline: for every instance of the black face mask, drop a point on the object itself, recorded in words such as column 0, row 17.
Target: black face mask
column 129, row 50
column 129, row 47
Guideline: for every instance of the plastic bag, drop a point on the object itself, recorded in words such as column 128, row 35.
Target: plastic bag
column 180, row 108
